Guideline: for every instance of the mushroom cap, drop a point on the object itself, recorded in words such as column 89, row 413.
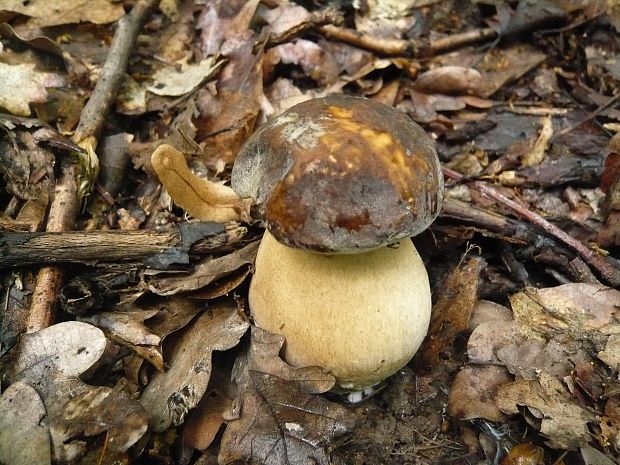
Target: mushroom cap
column 361, row 316
column 341, row 174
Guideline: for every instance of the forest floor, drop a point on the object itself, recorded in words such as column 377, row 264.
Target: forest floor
column 125, row 332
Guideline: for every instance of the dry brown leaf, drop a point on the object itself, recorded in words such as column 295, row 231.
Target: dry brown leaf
column 455, row 301
column 219, row 24
column 611, row 354
column 173, row 83
column 281, row 421
column 564, row 423
column 471, row 393
column 203, row 199
column 490, row 336
column 206, row 272
column 526, row 358
column 128, row 329
column 51, row 361
column 582, row 310
column 171, row 394
column 507, row 65
column 24, row 435
column 285, row 17
column 227, row 119
column 21, row 85
column 52, row 13
column 485, row 310
column 449, row 80
column 316, row 63
column 127, row 326
column 204, row 422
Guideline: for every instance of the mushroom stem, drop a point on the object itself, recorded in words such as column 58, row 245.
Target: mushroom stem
column 362, row 316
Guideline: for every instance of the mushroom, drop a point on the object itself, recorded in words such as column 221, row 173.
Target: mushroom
column 342, row 183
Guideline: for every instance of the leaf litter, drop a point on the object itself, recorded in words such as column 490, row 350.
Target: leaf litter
column 521, row 362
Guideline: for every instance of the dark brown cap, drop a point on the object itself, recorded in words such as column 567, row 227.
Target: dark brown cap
column 341, row 174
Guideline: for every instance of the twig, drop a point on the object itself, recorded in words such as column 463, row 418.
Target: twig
column 459, row 40
column 153, row 248
column 610, row 273
column 329, row 15
column 65, row 205
column 375, row 44
column 590, row 116
column 607, row 271
column 392, row 47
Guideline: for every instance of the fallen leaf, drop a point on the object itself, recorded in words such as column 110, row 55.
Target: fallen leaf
column 490, row 336
column 228, row 118
column 171, row 394
column 455, row 301
column 203, row 199
column 127, row 328
column 502, row 66
column 174, row 83
column 281, row 421
column 204, row 422
column 205, row 273
column 564, row 423
column 485, row 311
column 578, row 309
column 51, row 360
column 21, row 85
column 24, row 435
column 611, row 354
column 52, row 13
column 471, row 393
column 448, row 80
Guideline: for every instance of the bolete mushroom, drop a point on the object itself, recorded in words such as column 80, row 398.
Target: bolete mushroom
column 342, row 183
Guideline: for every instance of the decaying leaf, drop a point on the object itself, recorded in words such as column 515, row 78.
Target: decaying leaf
column 203, row 199
column 564, row 423
column 171, row 394
column 24, row 434
column 205, row 273
column 281, row 422
column 45, row 13
column 173, row 83
column 51, row 360
column 204, row 422
column 449, row 80
column 471, row 393
column 21, row 85
column 579, row 309
column 506, row 65
column 455, row 302
column 127, row 328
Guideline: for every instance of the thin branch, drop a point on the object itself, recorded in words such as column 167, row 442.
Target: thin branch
column 65, row 206
column 153, row 248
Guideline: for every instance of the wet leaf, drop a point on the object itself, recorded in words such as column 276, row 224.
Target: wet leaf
column 171, row 394
column 281, row 421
